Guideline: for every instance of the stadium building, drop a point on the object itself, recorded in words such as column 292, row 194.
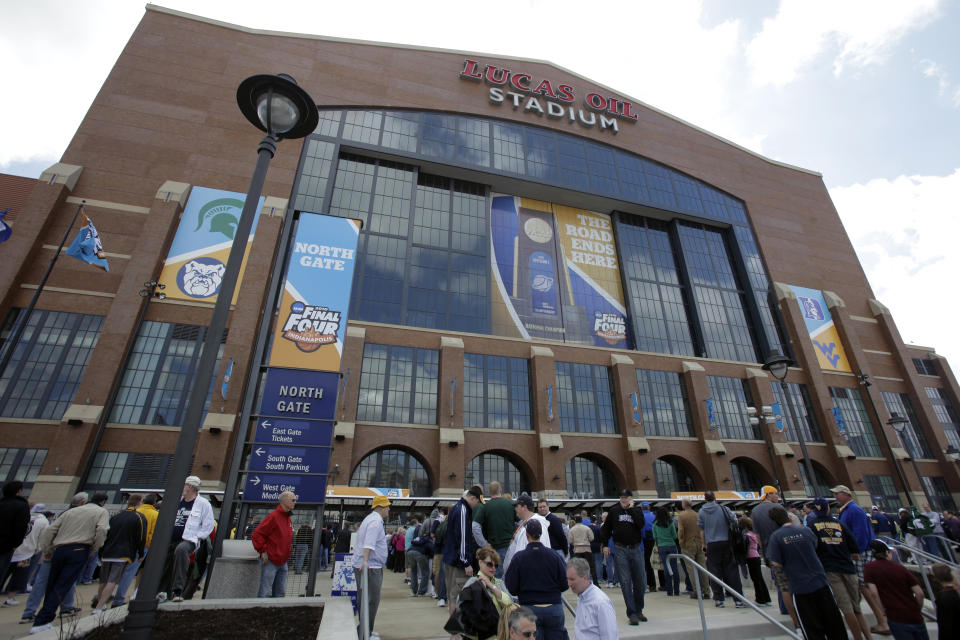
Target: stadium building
column 556, row 286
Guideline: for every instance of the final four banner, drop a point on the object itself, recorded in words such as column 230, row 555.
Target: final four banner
column 820, row 327
column 556, row 273
column 197, row 260
column 312, row 320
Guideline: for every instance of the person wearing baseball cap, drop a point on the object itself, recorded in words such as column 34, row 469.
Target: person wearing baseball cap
column 370, row 555
column 898, row 590
column 765, row 527
column 194, row 522
column 524, row 508
column 855, row 518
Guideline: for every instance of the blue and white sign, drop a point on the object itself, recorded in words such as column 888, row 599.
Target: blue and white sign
column 261, row 487
column 313, row 433
column 310, row 460
column 294, row 393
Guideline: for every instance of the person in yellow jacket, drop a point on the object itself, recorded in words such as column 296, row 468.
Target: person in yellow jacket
column 149, row 511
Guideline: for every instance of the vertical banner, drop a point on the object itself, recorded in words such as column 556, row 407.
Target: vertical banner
column 778, row 416
column 711, row 418
column 555, row 273
column 197, row 260
column 637, row 417
column 291, row 442
column 312, row 320
column 841, row 424
column 820, row 327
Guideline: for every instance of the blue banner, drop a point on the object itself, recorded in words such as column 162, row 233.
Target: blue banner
column 841, row 425
column 292, row 393
column 87, row 247
column 267, row 488
column 778, row 414
column 711, row 419
column 637, row 418
column 312, row 433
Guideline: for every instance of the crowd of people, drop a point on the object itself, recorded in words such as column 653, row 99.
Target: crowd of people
column 501, row 565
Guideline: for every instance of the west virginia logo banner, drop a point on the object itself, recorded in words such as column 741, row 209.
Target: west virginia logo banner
column 312, row 320
column 197, row 260
column 820, row 327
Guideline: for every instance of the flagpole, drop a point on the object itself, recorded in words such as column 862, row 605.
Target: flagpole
column 11, row 343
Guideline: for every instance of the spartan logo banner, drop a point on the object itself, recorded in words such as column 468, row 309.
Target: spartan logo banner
column 197, row 260
column 820, row 327
column 556, row 273
column 312, row 320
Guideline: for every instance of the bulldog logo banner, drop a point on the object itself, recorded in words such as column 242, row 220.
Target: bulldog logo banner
column 556, row 273
column 312, row 320
column 197, row 259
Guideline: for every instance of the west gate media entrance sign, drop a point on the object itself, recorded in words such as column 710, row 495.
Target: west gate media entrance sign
column 294, row 429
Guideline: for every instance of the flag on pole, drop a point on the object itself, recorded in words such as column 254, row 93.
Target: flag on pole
column 88, row 248
column 5, row 229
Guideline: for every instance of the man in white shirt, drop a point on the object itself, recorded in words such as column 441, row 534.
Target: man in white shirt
column 524, row 509
column 596, row 618
column 370, row 555
column 194, row 522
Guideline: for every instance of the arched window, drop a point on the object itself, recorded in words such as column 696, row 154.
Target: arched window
column 392, row 469
column 823, row 481
column 744, row 474
column 587, row 479
column 487, row 467
column 671, row 475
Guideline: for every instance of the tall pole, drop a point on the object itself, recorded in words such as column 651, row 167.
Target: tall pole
column 900, row 426
column 807, row 464
column 22, row 325
column 865, row 381
column 143, row 609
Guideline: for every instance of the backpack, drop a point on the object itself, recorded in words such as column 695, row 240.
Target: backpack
column 440, row 535
column 737, row 536
column 418, row 538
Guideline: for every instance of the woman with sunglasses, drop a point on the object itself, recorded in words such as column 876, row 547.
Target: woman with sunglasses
column 488, row 560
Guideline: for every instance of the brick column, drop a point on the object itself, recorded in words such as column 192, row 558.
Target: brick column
column 714, row 457
column 452, row 463
column 549, row 460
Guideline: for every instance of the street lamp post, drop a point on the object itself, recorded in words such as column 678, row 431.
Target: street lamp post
column 777, row 364
column 899, row 424
column 276, row 105
column 865, row 381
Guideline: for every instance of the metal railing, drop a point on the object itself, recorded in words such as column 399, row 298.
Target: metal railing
column 364, row 604
column 923, row 561
column 735, row 594
column 945, row 543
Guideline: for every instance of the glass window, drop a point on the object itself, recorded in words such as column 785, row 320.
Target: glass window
column 44, row 372
column 823, row 482
column 21, row 464
column 925, row 366
column 116, row 470
column 946, row 415
column 487, row 467
column 585, row 398
column 392, row 469
column 745, row 476
column 936, row 487
column 398, row 384
column 801, row 412
column 329, row 123
column 727, row 334
column 883, row 492
column 671, row 475
column 914, row 439
column 314, row 174
column 587, row 480
column 401, row 130
column 656, row 299
column 860, row 434
column 731, row 396
column 508, row 148
column 363, row 126
column 496, row 392
column 156, row 383
column 663, row 404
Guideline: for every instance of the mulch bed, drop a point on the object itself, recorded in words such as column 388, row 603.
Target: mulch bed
column 279, row 623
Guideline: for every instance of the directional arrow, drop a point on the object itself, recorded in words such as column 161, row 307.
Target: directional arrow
column 255, row 480
column 266, row 424
column 260, row 451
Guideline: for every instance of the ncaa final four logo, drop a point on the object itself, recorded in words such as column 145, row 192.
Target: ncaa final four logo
column 311, row 327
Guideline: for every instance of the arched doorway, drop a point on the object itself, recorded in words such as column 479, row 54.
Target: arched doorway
column 672, row 474
column 490, row 466
column 748, row 475
column 392, row 469
column 587, row 478
column 823, row 480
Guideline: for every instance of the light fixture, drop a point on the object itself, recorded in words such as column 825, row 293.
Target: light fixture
column 453, row 474
column 556, row 477
column 276, row 105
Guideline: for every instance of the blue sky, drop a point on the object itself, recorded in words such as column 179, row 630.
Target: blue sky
column 867, row 92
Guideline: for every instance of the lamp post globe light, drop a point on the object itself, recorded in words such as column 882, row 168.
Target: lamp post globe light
column 899, row 424
column 276, row 105
column 778, row 364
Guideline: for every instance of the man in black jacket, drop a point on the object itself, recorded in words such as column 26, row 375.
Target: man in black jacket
column 625, row 522
column 14, row 518
column 558, row 539
column 537, row 577
column 125, row 541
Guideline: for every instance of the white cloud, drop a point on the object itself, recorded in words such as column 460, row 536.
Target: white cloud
column 931, row 69
column 904, row 231
column 854, row 32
